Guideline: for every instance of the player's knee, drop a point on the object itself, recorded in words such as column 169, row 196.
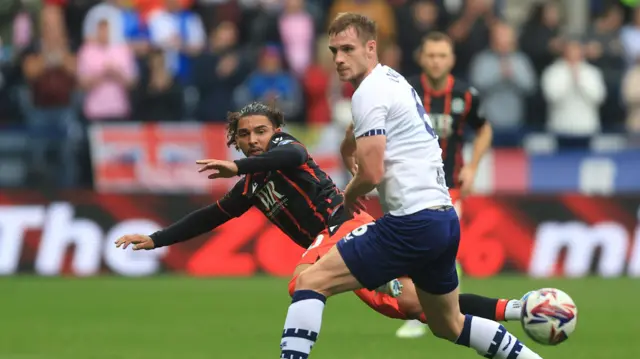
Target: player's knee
column 410, row 305
column 292, row 285
column 446, row 328
column 309, row 280
column 408, row 301
column 304, row 280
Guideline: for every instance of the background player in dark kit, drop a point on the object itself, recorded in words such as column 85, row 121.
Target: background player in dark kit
column 452, row 105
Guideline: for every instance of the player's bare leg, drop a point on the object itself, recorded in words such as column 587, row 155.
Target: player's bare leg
column 391, row 289
column 487, row 337
column 495, row 309
column 415, row 328
column 329, row 276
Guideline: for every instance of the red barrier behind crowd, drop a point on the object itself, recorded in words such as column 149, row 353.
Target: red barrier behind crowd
column 73, row 234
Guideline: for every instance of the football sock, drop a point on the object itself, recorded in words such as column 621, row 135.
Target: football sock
column 513, row 310
column 492, row 340
column 490, row 308
column 302, row 325
column 482, row 307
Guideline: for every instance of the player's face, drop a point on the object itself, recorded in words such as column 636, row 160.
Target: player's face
column 350, row 55
column 437, row 59
column 253, row 134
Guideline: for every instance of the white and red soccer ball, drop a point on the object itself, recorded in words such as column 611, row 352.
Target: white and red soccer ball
column 549, row 316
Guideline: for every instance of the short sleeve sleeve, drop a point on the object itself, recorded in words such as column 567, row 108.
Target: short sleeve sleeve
column 476, row 112
column 370, row 107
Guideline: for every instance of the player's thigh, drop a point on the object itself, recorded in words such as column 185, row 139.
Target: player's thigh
column 376, row 252
column 437, row 274
column 361, row 259
column 329, row 276
column 325, row 241
column 443, row 311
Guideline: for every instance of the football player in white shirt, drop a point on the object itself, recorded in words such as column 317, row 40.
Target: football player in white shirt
column 397, row 153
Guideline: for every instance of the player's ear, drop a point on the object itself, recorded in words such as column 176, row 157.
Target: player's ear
column 277, row 130
column 371, row 47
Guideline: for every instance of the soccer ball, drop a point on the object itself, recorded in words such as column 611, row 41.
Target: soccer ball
column 549, row 316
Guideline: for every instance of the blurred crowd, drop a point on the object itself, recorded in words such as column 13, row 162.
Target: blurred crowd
column 69, row 63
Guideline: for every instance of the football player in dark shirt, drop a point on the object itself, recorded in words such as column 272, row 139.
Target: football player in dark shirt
column 454, row 107
column 283, row 181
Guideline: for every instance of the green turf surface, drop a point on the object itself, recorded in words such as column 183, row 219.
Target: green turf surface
column 186, row 318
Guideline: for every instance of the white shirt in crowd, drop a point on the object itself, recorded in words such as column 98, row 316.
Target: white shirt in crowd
column 574, row 96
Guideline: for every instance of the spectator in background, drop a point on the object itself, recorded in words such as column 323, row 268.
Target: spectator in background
column 297, row 34
column 22, row 31
column 260, row 27
column 630, row 36
column 378, row 10
column 180, row 33
column 541, row 39
column 49, row 69
column 542, row 43
column 158, row 96
column 604, row 50
column 505, row 77
column 415, row 22
column 74, row 12
column 631, row 96
column 218, row 72
column 214, row 12
column 470, row 33
column 126, row 25
column 574, row 90
column 106, row 71
column 269, row 83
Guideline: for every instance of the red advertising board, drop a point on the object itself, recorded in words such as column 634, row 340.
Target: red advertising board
column 160, row 157
column 73, row 234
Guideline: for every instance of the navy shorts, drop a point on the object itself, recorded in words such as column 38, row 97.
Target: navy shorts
column 423, row 246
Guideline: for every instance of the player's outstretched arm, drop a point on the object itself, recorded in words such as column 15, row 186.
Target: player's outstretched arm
column 194, row 224
column 284, row 156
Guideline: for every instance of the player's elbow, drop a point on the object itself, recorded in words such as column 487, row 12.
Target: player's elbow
column 373, row 175
column 486, row 130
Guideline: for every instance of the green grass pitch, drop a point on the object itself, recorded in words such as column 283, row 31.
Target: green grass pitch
column 187, row 318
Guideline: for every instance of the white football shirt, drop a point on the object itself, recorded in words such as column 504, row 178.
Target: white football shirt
column 386, row 104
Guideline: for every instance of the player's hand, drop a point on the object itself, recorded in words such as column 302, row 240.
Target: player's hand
column 224, row 169
column 467, row 177
column 354, row 205
column 139, row 242
column 354, row 169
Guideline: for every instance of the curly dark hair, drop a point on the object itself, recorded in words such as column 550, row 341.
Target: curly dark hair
column 255, row 108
